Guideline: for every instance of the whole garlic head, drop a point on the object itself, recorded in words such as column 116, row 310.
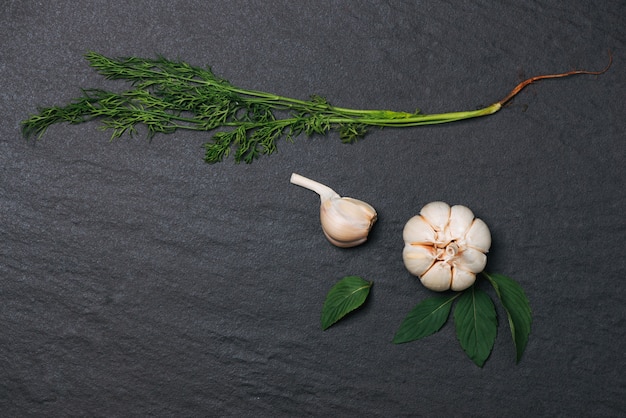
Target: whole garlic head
column 346, row 222
column 445, row 246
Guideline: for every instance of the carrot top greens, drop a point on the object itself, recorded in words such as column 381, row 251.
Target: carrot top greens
column 170, row 95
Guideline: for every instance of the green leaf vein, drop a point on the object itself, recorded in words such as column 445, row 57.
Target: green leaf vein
column 517, row 307
column 426, row 318
column 476, row 324
column 344, row 297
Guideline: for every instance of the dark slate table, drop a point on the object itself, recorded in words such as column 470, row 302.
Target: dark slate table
column 136, row 280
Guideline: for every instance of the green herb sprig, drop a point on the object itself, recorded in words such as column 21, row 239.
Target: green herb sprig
column 171, row 95
column 475, row 318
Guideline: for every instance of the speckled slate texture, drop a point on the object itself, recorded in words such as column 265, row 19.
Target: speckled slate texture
column 136, row 280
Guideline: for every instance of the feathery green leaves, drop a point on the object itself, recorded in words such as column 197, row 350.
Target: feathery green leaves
column 171, row 95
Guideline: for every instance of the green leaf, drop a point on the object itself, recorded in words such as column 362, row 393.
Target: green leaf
column 344, row 297
column 476, row 324
column 517, row 309
column 425, row 319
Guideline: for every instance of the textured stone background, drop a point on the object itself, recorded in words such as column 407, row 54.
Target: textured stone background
column 137, row 280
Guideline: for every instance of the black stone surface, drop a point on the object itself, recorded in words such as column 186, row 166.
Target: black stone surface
column 136, row 280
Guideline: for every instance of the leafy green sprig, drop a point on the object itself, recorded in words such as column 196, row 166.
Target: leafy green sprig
column 171, row 95
column 475, row 317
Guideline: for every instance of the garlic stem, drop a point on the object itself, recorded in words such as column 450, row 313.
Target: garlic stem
column 322, row 190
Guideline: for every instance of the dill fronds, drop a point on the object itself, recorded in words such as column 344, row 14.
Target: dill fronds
column 170, row 95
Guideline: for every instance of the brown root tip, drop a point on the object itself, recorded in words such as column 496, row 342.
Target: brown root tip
column 531, row 80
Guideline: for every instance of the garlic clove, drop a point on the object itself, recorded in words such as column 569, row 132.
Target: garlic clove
column 418, row 258
column 461, row 219
column 436, row 214
column 471, row 260
column 478, row 236
column 418, row 231
column 462, row 279
column 438, row 277
column 346, row 222
column 344, row 244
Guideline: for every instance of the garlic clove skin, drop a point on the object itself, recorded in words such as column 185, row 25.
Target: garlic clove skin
column 418, row 258
column 461, row 219
column 346, row 222
column 438, row 277
column 478, row 236
column 436, row 214
column 462, row 279
column 471, row 260
column 419, row 231
column 445, row 246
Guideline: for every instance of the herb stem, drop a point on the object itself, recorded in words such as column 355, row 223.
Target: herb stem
column 169, row 95
column 421, row 119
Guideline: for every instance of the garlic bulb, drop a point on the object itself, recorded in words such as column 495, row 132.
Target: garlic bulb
column 346, row 222
column 445, row 246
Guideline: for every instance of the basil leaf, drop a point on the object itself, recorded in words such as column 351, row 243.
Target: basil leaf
column 517, row 309
column 344, row 297
column 476, row 324
column 425, row 319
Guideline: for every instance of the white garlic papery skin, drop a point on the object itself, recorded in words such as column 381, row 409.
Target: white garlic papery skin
column 445, row 246
column 346, row 222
